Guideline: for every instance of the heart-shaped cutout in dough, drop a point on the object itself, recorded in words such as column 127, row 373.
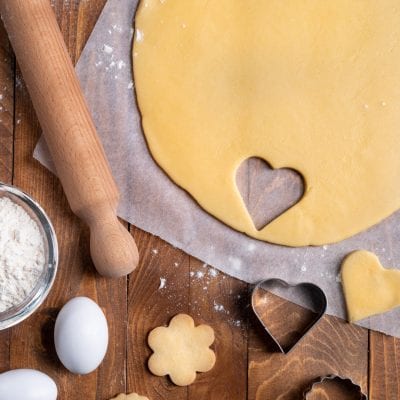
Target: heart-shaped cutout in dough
column 267, row 192
column 369, row 288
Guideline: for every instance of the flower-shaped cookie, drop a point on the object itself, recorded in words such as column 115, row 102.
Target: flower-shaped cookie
column 132, row 396
column 181, row 350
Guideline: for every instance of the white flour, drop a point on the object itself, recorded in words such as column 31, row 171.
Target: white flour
column 22, row 255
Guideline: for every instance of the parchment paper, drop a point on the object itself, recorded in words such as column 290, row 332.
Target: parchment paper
column 153, row 203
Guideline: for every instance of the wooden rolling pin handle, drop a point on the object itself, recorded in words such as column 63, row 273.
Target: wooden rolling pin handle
column 69, row 131
column 108, row 233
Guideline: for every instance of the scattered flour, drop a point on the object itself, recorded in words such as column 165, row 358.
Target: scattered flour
column 22, row 257
column 199, row 274
column 218, row 307
column 235, row 262
column 204, row 277
column 117, row 28
column 251, row 247
column 121, row 64
column 163, row 283
column 107, row 49
column 139, row 35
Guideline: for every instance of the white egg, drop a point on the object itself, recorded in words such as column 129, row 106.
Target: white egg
column 26, row 384
column 81, row 335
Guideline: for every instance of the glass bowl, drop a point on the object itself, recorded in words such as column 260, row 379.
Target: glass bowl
column 17, row 314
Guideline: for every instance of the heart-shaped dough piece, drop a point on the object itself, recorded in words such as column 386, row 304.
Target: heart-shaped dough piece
column 368, row 287
column 310, row 85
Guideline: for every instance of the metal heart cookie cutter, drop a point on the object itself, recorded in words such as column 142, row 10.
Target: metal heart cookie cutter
column 352, row 387
column 308, row 295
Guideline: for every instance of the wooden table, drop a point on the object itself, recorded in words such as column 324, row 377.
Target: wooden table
column 247, row 367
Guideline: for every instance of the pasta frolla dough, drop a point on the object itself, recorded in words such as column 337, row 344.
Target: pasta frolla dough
column 369, row 288
column 304, row 84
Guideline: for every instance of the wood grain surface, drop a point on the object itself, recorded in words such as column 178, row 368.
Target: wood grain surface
column 247, row 367
column 7, row 78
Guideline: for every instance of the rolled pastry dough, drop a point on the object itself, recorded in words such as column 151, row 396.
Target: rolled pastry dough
column 306, row 84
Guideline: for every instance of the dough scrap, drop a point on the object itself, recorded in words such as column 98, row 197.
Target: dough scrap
column 132, row 396
column 305, row 84
column 368, row 287
column 181, row 350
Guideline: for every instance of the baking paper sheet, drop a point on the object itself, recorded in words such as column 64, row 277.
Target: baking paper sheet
column 153, row 203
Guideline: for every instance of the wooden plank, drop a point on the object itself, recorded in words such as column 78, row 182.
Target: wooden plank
column 77, row 19
column 6, row 107
column 32, row 343
column 333, row 347
column 152, row 304
column 384, row 381
column 217, row 299
column 6, row 146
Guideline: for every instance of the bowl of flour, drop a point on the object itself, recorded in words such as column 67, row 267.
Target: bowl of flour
column 28, row 256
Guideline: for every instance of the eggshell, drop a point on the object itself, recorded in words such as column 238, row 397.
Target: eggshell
column 26, row 384
column 81, row 335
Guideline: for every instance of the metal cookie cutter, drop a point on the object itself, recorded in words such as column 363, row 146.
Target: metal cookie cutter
column 354, row 388
column 316, row 301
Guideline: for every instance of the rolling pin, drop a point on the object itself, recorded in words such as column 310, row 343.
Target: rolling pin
column 69, row 131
